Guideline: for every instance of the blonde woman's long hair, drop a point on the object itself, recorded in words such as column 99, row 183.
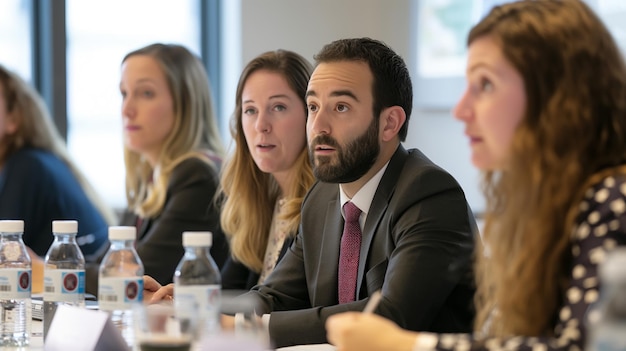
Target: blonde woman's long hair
column 250, row 195
column 194, row 134
column 574, row 127
column 36, row 129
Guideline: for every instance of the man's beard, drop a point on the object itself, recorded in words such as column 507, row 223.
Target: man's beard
column 351, row 162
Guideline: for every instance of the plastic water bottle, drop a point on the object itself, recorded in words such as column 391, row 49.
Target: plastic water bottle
column 15, row 285
column 64, row 272
column 197, row 280
column 607, row 319
column 120, row 282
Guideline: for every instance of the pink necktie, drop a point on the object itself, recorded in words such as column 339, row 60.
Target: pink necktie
column 349, row 253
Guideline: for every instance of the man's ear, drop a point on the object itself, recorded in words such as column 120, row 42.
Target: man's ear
column 392, row 119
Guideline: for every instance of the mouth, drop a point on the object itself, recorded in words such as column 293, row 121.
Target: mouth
column 324, row 149
column 265, row 147
column 131, row 128
column 473, row 139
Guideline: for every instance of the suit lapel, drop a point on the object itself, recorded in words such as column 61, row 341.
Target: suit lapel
column 378, row 208
column 328, row 261
column 143, row 227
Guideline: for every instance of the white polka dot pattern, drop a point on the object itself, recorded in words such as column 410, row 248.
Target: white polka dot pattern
column 600, row 227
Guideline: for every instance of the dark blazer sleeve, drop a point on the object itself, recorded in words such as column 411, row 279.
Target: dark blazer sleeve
column 189, row 207
column 417, row 244
column 236, row 276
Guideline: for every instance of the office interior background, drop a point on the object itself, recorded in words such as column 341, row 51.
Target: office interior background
column 71, row 51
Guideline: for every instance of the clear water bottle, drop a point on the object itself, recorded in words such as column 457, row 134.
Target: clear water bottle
column 197, row 280
column 607, row 318
column 15, row 285
column 64, row 272
column 120, row 282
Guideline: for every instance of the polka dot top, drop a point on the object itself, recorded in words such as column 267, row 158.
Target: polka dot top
column 601, row 226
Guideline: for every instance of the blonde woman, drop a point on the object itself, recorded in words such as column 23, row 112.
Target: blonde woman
column 545, row 114
column 265, row 180
column 38, row 181
column 172, row 152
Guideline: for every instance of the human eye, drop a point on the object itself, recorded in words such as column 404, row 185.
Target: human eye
column 480, row 84
column 312, row 107
column 486, row 85
column 249, row 111
column 342, row 108
column 280, row 108
column 123, row 93
column 147, row 93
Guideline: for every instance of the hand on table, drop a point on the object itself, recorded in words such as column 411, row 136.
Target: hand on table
column 154, row 292
column 354, row 331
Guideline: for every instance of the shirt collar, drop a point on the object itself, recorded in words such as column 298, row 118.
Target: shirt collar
column 363, row 198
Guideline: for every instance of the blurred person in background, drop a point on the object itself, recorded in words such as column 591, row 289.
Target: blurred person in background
column 172, row 153
column 39, row 182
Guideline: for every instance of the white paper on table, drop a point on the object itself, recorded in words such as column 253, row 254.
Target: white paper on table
column 80, row 329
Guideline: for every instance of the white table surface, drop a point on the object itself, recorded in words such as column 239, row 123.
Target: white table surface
column 36, row 342
column 316, row 347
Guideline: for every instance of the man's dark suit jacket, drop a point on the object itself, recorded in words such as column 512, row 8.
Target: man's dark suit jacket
column 417, row 246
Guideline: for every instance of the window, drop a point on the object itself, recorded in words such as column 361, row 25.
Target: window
column 612, row 13
column 99, row 34
column 441, row 32
column 15, row 53
column 442, row 28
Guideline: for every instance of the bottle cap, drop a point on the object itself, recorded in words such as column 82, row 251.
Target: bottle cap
column 64, row 226
column 122, row 233
column 12, row 226
column 614, row 267
column 197, row 239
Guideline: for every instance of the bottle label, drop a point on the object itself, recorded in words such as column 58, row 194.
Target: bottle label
column 203, row 298
column 15, row 283
column 64, row 285
column 119, row 293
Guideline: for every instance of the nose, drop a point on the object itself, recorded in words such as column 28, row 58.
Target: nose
column 317, row 123
column 263, row 124
column 463, row 111
column 128, row 108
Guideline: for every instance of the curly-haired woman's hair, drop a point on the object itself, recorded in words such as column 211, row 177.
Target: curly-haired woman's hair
column 36, row 129
column 250, row 195
column 194, row 134
column 574, row 127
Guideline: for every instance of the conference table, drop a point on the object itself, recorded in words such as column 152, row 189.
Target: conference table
column 36, row 343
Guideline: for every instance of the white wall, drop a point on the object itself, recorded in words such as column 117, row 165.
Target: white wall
column 305, row 26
